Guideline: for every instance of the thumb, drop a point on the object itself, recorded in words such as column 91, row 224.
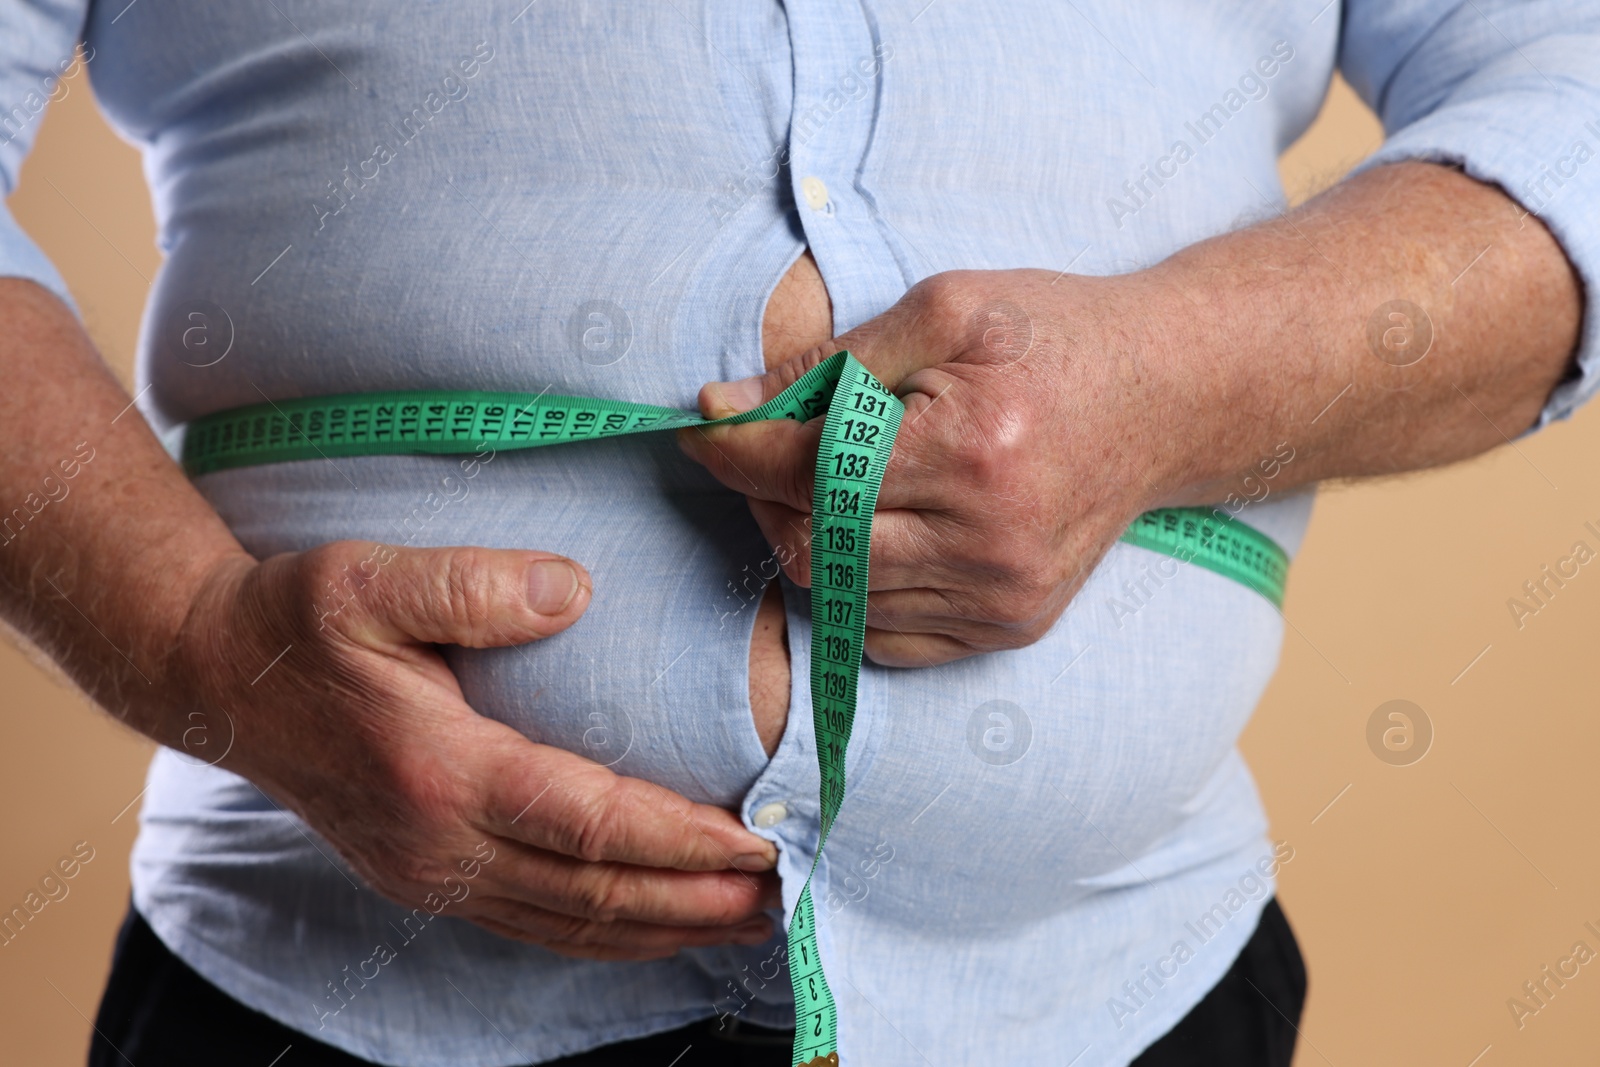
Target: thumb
column 718, row 400
column 933, row 323
column 476, row 597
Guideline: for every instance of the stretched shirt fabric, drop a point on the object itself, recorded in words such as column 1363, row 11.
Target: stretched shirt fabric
column 1046, row 853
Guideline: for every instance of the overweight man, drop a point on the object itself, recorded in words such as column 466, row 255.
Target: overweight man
column 509, row 757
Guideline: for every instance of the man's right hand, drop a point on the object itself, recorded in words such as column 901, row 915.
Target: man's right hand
column 121, row 573
column 362, row 730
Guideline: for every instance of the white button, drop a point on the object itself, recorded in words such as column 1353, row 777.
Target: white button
column 816, row 193
column 769, row 815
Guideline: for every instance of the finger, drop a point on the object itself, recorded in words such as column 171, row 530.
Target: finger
column 975, row 624
column 910, row 549
column 891, row 648
column 958, row 439
column 771, row 460
column 776, row 461
column 924, row 610
column 574, row 936
column 607, row 892
column 933, row 323
column 899, row 599
column 718, row 400
column 978, row 621
column 789, row 532
column 477, row 597
column 933, row 460
column 556, row 800
column 926, row 549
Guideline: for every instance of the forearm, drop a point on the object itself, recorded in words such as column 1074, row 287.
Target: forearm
column 103, row 541
column 1273, row 334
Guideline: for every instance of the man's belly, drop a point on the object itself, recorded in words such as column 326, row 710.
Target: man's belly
column 798, row 316
column 1089, row 748
column 1111, row 733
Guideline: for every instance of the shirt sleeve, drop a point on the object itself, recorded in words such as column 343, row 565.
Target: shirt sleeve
column 38, row 41
column 1509, row 90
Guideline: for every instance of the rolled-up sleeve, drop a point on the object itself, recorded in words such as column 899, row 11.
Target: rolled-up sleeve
column 1509, row 90
column 38, row 41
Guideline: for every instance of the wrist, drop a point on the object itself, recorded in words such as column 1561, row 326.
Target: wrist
column 1230, row 369
column 196, row 632
column 1172, row 348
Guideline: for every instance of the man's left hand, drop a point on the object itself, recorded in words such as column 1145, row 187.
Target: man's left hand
column 1029, row 443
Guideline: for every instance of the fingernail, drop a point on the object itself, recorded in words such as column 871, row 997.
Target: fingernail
column 755, row 861
column 741, row 395
column 552, row 583
column 753, row 933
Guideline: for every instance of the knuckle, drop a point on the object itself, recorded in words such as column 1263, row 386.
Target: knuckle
column 1035, row 611
column 566, row 929
column 1008, row 560
column 466, row 586
column 1008, row 641
column 600, row 894
column 324, row 560
column 977, row 461
column 566, row 934
column 337, row 580
column 416, row 875
column 1024, row 589
column 511, row 932
column 993, row 451
column 1005, row 617
column 796, row 368
column 794, row 484
column 322, row 576
column 1035, row 582
column 798, row 567
column 942, row 301
column 1040, row 626
column 426, row 801
column 1027, row 604
column 593, row 827
column 1018, row 629
column 734, row 904
column 420, row 871
column 1020, row 635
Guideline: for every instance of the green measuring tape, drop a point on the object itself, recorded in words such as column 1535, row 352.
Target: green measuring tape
column 858, row 434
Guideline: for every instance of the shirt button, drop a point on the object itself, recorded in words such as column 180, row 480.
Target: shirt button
column 815, row 192
column 769, row 815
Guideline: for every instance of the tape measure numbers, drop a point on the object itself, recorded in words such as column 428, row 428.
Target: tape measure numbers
column 862, row 418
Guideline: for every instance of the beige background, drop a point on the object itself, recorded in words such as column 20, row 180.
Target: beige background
column 1424, row 896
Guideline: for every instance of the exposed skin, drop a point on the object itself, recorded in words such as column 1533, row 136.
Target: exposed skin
column 798, row 318
column 1164, row 386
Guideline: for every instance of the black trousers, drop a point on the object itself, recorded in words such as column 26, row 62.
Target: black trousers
column 157, row 1012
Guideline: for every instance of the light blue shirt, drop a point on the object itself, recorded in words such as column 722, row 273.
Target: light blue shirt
column 1047, row 853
